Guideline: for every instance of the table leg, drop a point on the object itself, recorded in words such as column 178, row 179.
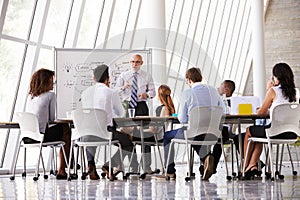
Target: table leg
column 142, row 146
column 240, row 147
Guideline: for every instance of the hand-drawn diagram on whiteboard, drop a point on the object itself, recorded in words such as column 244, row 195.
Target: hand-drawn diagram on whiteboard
column 74, row 72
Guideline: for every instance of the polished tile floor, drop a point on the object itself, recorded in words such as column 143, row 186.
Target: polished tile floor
column 149, row 188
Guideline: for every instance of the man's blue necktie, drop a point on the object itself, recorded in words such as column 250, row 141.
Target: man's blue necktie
column 134, row 97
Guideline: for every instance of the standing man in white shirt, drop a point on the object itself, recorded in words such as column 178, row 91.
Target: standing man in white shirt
column 102, row 97
column 145, row 84
column 145, row 89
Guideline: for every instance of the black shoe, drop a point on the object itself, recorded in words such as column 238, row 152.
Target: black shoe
column 201, row 170
column 251, row 173
column 93, row 172
column 61, row 176
column 105, row 169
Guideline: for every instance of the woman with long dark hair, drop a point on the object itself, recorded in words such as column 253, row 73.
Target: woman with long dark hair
column 167, row 108
column 41, row 101
column 283, row 91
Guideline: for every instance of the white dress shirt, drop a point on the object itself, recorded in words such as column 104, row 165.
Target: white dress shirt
column 102, row 97
column 144, row 82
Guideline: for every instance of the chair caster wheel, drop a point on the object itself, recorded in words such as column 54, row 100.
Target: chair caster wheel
column 35, row 178
column 294, row 173
column 167, row 178
column 12, row 178
column 83, row 177
column 111, row 179
column 45, row 176
column 103, row 175
column 85, row 174
column 281, row 177
column 187, row 179
column 69, row 179
column 157, row 171
column 268, row 175
column 74, row 176
column 228, row 178
column 234, row 174
column 51, row 172
column 272, row 179
column 259, row 173
column 24, row 174
column 143, row 176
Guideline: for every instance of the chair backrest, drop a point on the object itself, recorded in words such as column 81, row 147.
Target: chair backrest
column 29, row 126
column 91, row 122
column 205, row 119
column 285, row 118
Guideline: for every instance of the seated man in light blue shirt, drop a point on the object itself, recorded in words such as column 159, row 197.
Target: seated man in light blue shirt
column 198, row 95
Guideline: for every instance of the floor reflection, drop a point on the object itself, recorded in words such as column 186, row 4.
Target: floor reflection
column 133, row 188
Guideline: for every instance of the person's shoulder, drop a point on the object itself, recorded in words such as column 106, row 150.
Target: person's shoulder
column 145, row 73
column 49, row 93
column 123, row 73
column 187, row 92
column 88, row 89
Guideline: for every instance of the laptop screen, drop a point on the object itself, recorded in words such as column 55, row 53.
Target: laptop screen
column 244, row 105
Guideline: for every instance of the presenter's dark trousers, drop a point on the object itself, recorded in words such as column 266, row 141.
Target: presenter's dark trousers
column 143, row 110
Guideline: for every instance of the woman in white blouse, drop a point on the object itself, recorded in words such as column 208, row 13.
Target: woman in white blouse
column 283, row 91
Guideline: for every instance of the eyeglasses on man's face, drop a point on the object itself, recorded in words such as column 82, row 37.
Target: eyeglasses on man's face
column 136, row 61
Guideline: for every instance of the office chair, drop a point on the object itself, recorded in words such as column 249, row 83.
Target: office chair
column 285, row 118
column 29, row 128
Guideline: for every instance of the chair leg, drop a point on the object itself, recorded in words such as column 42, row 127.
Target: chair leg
column 191, row 162
column 130, row 159
column 277, row 158
column 121, row 157
column 225, row 160
column 53, row 162
column 65, row 156
column 82, row 158
column 70, row 161
column 159, row 153
column 24, row 167
column 111, row 178
column 15, row 163
column 292, row 164
column 271, row 161
column 168, row 160
column 36, row 177
column 246, row 158
column 237, row 162
column 232, row 159
column 189, row 152
column 43, row 165
column 281, row 158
